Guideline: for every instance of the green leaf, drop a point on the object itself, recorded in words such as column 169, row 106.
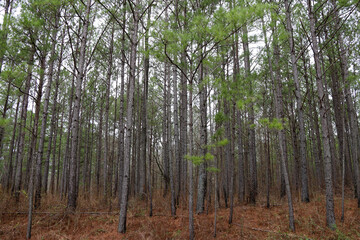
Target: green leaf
column 209, row 157
column 222, row 142
column 212, row 169
column 276, row 124
column 196, row 160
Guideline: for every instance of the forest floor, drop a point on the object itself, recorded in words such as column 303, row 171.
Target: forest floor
column 93, row 221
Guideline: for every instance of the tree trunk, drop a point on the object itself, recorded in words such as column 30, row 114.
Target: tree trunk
column 201, row 194
column 5, row 109
column 183, row 128
column 59, row 153
column 142, row 180
column 129, row 122
column 166, row 156
column 35, row 178
column 299, row 102
column 107, row 107
column 353, row 121
column 279, row 109
column 20, row 153
column 54, row 120
column 121, row 110
column 44, row 117
column 176, row 146
column 191, row 179
column 241, row 164
column 72, row 196
column 251, row 129
column 330, row 215
column 38, row 162
column 9, row 167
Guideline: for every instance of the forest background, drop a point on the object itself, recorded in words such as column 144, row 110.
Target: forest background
column 197, row 104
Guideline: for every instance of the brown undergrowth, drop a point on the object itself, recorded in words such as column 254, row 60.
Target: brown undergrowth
column 96, row 220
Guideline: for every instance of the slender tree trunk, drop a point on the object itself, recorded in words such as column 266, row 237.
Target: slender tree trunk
column 215, row 203
column 143, row 142
column 129, row 122
column 201, row 194
column 353, row 121
column 338, row 100
column 9, row 167
column 176, row 116
column 65, row 170
column 4, row 112
column 241, row 164
column 54, row 119
column 64, row 175
column 20, row 152
column 44, row 117
column 191, row 179
column 251, row 130
column 121, row 109
column 299, row 101
column 52, row 149
column 30, row 208
column 315, row 135
column 268, row 170
column 149, row 172
column 72, row 197
column 99, row 150
column 38, row 161
column 279, row 108
column 35, row 177
column 166, row 156
column 91, row 152
column 114, row 154
column 241, row 177
column 176, row 146
column 59, row 152
column 183, row 129
column 107, row 108
column 330, row 215
column 267, row 145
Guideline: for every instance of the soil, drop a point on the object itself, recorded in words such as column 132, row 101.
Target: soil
column 95, row 219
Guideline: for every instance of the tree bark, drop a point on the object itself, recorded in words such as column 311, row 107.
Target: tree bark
column 201, row 194
column 72, row 196
column 353, row 119
column 279, row 109
column 176, row 146
column 330, row 215
column 251, row 129
column 106, row 189
column 191, row 178
column 38, row 162
column 20, row 153
column 54, row 119
column 142, row 180
column 129, row 121
column 9, row 167
column 45, row 115
column 299, row 102
column 121, row 109
column 166, row 156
